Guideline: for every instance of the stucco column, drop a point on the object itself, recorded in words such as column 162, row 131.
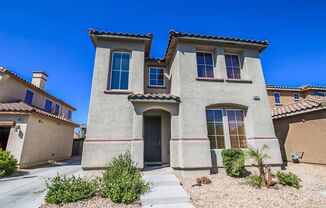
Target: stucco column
column 137, row 145
column 220, row 66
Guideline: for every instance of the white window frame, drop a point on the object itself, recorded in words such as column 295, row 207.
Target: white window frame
column 294, row 96
column 149, row 76
column 111, row 70
column 226, row 129
column 244, row 124
column 224, row 126
column 213, row 63
column 280, row 103
column 240, row 66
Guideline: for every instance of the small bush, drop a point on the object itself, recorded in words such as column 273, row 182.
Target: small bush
column 122, row 181
column 288, row 179
column 8, row 163
column 233, row 162
column 255, row 181
column 62, row 189
column 204, row 180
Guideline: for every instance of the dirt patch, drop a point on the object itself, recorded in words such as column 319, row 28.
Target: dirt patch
column 225, row 191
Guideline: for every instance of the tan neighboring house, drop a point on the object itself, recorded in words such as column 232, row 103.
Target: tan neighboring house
column 35, row 126
column 280, row 95
column 207, row 94
column 300, row 124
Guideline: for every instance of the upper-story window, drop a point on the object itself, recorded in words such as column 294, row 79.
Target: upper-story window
column 323, row 94
column 57, row 109
column 29, row 97
column 232, row 66
column 156, row 77
column 205, row 66
column 296, row 97
column 120, row 70
column 69, row 115
column 48, row 106
column 277, row 98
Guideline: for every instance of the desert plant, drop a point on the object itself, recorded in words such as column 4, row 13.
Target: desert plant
column 258, row 157
column 233, row 162
column 8, row 163
column 62, row 189
column 255, row 180
column 122, row 181
column 288, row 179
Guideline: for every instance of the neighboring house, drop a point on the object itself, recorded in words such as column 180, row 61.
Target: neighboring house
column 301, row 129
column 35, row 126
column 207, row 94
column 279, row 95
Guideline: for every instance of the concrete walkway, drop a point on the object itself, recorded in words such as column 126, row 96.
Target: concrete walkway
column 166, row 191
column 21, row 189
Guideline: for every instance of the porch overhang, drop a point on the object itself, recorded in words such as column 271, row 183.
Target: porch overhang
column 7, row 123
column 154, row 97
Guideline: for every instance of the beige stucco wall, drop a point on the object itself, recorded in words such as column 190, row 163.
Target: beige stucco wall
column 303, row 133
column 16, row 137
column 13, row 90
column 46, row 139
column 286, row 97
column 116, row 124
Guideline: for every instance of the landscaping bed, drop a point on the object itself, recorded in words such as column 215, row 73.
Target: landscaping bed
column 225, row 191
column 94, row 202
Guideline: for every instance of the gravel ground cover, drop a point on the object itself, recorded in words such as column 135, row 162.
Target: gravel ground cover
column 225, row 191
column 95, row 202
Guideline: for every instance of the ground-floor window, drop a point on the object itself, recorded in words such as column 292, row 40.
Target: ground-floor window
column 226, row 126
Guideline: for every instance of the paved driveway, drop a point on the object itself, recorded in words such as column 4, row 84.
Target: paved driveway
column 20, row 190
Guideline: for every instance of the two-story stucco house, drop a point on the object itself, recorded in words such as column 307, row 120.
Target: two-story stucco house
column 35, row 126
column 207, row 94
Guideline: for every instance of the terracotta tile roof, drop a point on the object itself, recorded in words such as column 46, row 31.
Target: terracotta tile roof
column 212, row 37
column 153, row 96
column 300, row 88
column 12, row 74
column 132, row 35
column 310, row 103
column 21, row 107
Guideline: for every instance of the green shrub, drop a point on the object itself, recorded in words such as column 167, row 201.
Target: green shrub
column 233, row 162
column 122, row 181
column 255, row 181
column 8, row 163
column 62, row 189
column 288, row 179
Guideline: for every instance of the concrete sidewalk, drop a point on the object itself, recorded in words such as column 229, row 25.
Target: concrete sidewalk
column 166, row 191
column 22, row 189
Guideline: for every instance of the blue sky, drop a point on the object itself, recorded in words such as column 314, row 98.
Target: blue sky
column 52, row 36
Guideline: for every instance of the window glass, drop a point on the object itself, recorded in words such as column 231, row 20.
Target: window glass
column 323, row 94
column 205, row 66
column 215, row 128
column 296, row 96
column 232, row 66
column 277, row 98
column 120, row 70
column 29, row 97
column 156, row 77
column 48, row 106
column 57, row 109
column 236, row 128
column 69, row 115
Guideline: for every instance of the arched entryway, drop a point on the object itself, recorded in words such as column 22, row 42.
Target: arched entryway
column 157, row 135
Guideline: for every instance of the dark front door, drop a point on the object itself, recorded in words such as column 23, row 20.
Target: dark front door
column 152, row 139
column 4, row 134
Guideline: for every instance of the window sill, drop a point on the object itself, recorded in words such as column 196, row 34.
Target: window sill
column 279, row 104
column 238, row 80
column 157, row 87
column 117, row 92
column 209, row 79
